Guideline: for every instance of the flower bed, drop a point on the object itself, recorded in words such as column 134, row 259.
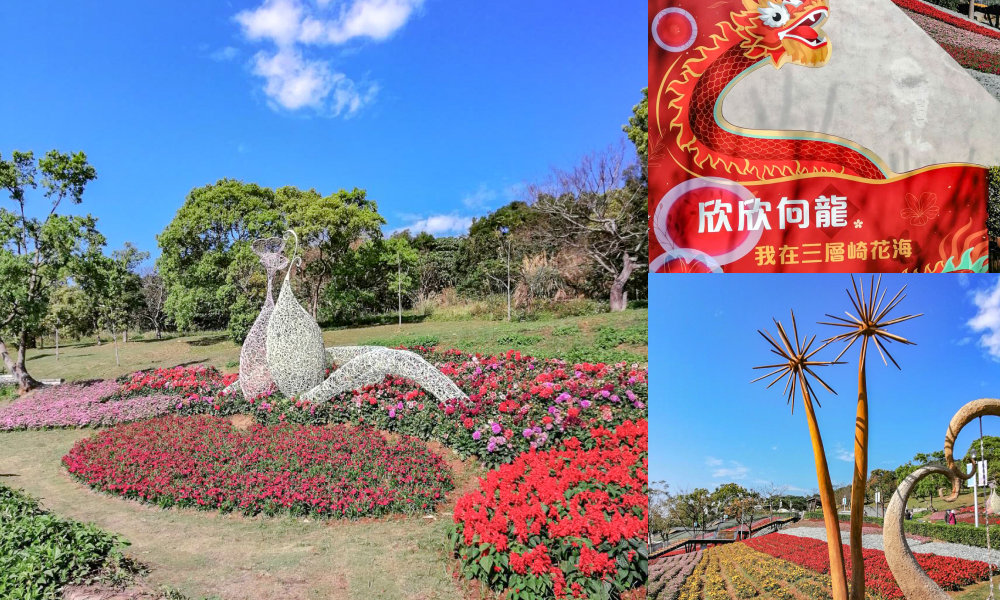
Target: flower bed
column 947, row 17
column 204, row 462
column 667, row 576
column 198, row 380
column 561, row 523
column 972, row 46
column 80, row 405
column 949, row 573
column 516, row 403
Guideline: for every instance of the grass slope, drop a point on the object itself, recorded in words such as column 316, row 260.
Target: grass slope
column 590, row 338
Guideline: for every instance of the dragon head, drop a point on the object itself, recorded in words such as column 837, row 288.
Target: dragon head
column 785, row 30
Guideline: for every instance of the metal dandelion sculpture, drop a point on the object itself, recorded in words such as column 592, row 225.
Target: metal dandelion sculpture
column 797, row 369
column 869, row 325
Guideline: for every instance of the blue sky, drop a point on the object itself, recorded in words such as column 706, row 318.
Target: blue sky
column 439, row 109
column 708, row 425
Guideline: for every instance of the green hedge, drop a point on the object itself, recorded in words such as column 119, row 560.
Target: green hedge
column 40, row 552
column 817, row 515
column 961, row 533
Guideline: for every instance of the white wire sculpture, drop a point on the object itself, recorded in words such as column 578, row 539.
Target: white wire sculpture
column 295, row 361
column 369, row 365
column 255, row 378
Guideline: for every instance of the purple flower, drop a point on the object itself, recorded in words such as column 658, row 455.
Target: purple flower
column 585, row 403
column 605, row 393
column 496, row 428
column 392, row 413
column 527, row 433
column 563, row 397
column 491, row 446
column 476, row 435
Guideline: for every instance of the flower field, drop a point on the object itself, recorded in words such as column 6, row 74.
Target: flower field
column 568, row 523
column 563, row 512
column 667, row 576
column 971, row 45
column 949, row 573
column 516, row 403
column 205, row 463
column 80, row 405
column 789, row 568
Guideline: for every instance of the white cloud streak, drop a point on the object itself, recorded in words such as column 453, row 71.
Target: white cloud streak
column 440, row 225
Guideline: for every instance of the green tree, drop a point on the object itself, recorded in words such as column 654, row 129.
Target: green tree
column 114, row 289
column 204, row 245
column 67, row 313
column 35, row 252
column 599, row 209
column 882, row 481
column 397, row 252
column 990, row 451
column 330, row 229
column 637, row 129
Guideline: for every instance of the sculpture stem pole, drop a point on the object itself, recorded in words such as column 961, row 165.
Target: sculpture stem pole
column 860, row 480
column 838, row 574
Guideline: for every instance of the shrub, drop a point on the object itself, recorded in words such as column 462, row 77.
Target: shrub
column 40, row 552
column 513, row 340
column 568, row 523
column 566, row 330
column 204, row 462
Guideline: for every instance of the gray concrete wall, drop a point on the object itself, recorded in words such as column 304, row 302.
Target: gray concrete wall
column 888, row 86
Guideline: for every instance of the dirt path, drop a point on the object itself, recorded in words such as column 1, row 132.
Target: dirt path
column 233, row 557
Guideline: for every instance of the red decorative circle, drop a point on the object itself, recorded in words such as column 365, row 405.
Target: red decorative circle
column 674, row 29
column 682, row 221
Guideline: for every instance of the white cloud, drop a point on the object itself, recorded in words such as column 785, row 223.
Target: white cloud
column 276, row 20
column 734, row 471
column 224, row 54
column 842, row 454
column 440, row 225
column 293, row 81
column 987, row 320
column 774, row 447
column 482, row 198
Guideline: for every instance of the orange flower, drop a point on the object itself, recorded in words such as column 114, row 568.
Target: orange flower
column 922, row 210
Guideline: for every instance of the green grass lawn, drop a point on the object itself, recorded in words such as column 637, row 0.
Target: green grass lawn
column 964, row 499
column 233, row 557
column 573, row 338
column 208, row 554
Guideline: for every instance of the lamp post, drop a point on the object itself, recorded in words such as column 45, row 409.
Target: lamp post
column 975, row 491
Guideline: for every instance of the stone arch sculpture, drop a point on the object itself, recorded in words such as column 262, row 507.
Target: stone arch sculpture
column 910, row 577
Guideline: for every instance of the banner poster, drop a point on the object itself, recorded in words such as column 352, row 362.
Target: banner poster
column 724, row 198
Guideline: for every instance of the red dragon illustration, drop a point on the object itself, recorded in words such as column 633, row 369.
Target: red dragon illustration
column 755, row 33
column 692, row 69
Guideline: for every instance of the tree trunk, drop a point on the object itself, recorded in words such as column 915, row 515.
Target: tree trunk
column 125, row 336
column 618, row 302
column 314, row 302
column 114, row 336
column 158, row 331
column 16, row 367
column 57, row 343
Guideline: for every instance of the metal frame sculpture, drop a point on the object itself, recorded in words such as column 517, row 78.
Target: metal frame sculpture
column 255, row 378
column 869, row 325
column 797, row 367
column 295, row 359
